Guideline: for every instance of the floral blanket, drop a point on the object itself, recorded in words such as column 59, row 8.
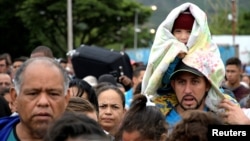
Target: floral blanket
column 200, row 53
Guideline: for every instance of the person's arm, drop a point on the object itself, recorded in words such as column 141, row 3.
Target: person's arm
column 234, row 114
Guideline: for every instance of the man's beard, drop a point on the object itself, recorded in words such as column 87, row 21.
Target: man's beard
column 40, row 132
column 198, row 103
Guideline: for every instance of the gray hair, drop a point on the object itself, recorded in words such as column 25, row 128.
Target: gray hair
column 18, row 79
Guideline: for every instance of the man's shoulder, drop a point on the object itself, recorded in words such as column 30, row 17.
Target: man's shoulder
column 243, row 88
column 4, row 121
column 173, row 117
column 7, row 118
column 6, row 125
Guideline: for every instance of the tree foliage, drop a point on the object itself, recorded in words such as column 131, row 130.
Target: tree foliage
column 25, row 24
column 243, row 23
column 95, row 22
column 220, row 24
column 14, row 37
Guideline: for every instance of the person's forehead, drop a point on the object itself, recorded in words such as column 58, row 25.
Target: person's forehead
column 42, row 76
column 42, row 68
column 4, row 76
column 232, row 67
column 109, row 94
column 40, row 63
column 18, row 62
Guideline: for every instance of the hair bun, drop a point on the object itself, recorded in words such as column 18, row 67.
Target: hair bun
column 139, row 101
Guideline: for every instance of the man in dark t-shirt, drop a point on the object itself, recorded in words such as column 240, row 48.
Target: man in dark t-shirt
column 233, row 78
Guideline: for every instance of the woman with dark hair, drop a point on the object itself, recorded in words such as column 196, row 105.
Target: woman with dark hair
column 81, row 88
column 111, row 107
column 4, row 107
column 142, row 122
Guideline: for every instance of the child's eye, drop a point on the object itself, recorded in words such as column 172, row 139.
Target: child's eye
column 177, row 30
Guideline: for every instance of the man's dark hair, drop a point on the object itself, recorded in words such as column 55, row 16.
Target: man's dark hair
column 137, row 70
column 234, row 61
column 4, row 57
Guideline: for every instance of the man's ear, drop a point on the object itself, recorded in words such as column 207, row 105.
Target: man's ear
column 208, row 85
column 67, row 97
column 13, row 94
column 172, row 83
column 125, row 110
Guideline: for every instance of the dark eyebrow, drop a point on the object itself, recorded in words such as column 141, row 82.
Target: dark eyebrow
column 178, row 78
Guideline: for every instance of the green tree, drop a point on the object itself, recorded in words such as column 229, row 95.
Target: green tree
column 14, row 37
column 243, row 23
column 220, row 24
column 95, row 22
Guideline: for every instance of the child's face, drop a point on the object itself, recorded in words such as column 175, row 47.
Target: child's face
column 182, row 35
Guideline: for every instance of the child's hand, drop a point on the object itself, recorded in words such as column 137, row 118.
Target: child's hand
column 181, row 55
column 126, row 81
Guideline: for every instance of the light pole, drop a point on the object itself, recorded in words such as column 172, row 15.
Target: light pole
column 136, row 29
column 233, row 21
column 70, row 28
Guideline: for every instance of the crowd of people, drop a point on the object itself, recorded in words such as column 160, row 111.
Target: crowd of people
column 184, row 89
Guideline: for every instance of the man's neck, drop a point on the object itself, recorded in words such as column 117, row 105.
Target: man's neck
column 232, row 85
column 24, row 133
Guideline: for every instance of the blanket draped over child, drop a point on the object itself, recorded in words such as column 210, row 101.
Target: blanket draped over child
column 200, row 53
